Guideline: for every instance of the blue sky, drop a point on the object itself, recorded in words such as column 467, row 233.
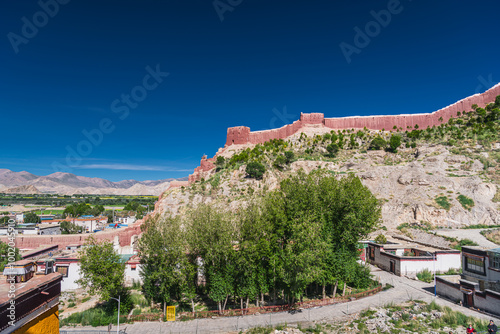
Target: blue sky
column 261, row 66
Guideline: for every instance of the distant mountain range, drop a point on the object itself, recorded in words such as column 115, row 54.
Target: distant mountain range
column 69, row 184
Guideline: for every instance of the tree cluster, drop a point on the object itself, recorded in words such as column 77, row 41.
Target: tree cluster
column 303, row 235
column 80, row 209
column 70, row 228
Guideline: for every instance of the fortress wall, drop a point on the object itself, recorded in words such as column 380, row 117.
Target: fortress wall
column 423, row 120
column 243, row 135
column 124, row 236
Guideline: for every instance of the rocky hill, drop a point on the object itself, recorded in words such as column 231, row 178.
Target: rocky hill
column 444, row 175
column 23, row 190
column 69, row 184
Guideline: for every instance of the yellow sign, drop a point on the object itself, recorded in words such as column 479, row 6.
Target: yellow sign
column 170, row 313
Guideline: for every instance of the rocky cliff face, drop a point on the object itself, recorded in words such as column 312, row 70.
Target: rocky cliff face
column 408, row 186
column 433, row 182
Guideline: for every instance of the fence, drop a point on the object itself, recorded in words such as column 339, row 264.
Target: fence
column 256, row 310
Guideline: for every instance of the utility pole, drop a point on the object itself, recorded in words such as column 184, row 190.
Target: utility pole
column 118, row 323
column 435, row 287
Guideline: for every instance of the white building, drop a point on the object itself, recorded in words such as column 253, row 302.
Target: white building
column 479, row 284
column 408, row 260
column 69, row 266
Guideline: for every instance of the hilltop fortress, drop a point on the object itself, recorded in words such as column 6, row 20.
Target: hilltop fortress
column 241, row 135
column 125, row 239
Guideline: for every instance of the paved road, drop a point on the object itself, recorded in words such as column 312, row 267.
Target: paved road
column 472, row 234
column 404, row 290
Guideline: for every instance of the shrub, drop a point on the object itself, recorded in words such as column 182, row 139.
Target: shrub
column 289, row 156
column 443, row 202
column 466, row 202
column 220, row 162
column 279, row 162
column 255, row 170
column 425, row 276
column 332, row 149
column 381, row 239
column 377, row 143
column 394, row 143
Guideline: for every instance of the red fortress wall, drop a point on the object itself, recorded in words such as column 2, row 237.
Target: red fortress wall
column 243, row 135
column 62, row 240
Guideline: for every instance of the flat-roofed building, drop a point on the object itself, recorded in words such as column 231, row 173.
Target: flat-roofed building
column 30, row 303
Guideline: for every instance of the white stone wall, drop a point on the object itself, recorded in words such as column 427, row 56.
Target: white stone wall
column 451, row 292
column 491, row 302
column 69, row 283
column 448, row 261
column 132, row 275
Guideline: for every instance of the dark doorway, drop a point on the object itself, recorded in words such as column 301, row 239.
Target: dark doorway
column 468, row 300
column 393, row 267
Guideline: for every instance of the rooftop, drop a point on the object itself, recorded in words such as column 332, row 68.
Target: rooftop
column 37, row 282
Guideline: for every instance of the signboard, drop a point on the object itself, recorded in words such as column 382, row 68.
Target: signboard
column 170, row 313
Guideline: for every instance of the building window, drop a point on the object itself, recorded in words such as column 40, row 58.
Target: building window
column 495, row 261
column 475, row 266
column 63, row 270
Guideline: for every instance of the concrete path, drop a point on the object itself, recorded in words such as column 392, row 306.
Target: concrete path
column 404, row 290
column 472, row 234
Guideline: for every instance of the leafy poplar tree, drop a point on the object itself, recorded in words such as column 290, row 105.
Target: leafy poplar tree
column 103, row 272
column 167, row 272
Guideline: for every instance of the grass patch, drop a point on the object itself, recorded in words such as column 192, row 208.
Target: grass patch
column 478, row 226
column 96, row 316
column 467, row 203
column 496, row 198
column 443, row 202
column 463, row 242
column 492, row 235
column 425, row 276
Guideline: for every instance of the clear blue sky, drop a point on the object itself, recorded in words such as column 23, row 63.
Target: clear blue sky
column 263, row 56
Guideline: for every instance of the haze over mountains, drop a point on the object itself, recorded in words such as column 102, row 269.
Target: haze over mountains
column 68, row 184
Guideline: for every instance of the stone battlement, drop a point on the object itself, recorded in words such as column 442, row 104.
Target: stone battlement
column 243, row 135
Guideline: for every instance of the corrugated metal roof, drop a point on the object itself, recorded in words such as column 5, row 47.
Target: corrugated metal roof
column 495, row 250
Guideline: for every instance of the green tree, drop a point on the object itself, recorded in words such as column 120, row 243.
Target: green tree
column 212, row 233
column 377, row 143
column 31, row 218
column 4, row 255
column 395, row 143
column 70, row 228
column 332, row 149
column 167, row 272
column 280, row 162
column 220, row 162
column 4, row 220
column 103, row 272
column 289, row 155
column 255, row 170
column 318, row 221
